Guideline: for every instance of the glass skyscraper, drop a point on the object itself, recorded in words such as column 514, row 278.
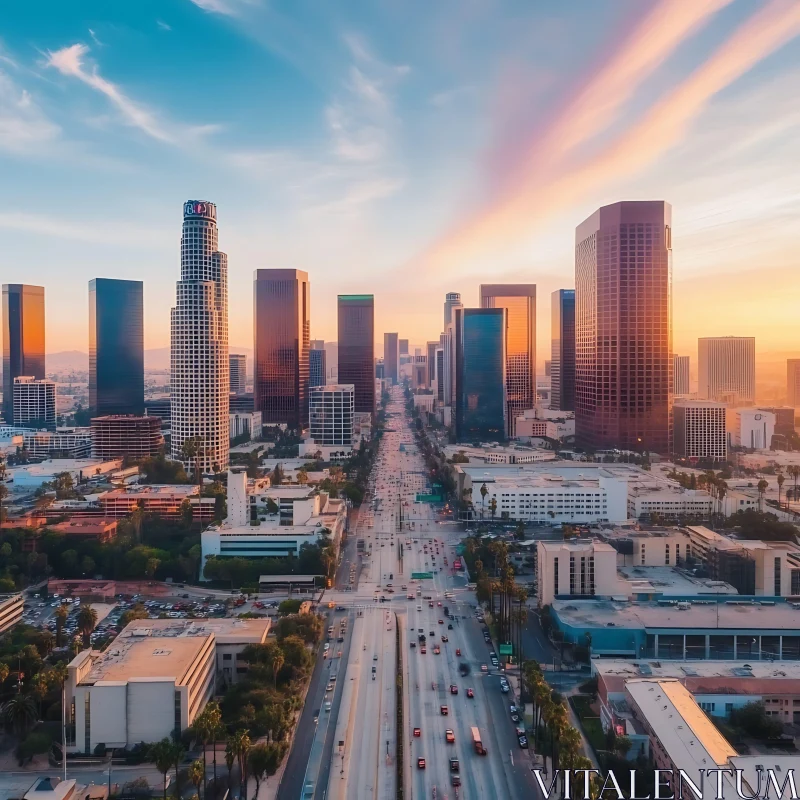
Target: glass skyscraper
column 519, row 301
column 481, row 403
column 391, row 357
column 116, row 347
column 282, row 328
column 623, row 328
column 562, row 350
column 317, row 364
column 23, row 339
column 356, row 323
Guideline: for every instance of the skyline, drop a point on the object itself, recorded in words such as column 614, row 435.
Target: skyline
column 414, row 158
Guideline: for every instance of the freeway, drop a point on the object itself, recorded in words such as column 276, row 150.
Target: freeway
column 354, row 752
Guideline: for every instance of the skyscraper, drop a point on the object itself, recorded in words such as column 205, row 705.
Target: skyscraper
column 356, row 322
column 452, row 301
column 680, row 375
column 700, row 430
column 237, row 368
column 200, row 384
column 403, row 344
column 519, row 301
column 23, row 338
column 623, row 327
column 282, row 328
column 116, row 347
column 34, row 402
column 391, row 357
column 562, row 350
column 481, row 403
column 317, row 363
column 430, row 360
column 793, row 382
column 726, row 369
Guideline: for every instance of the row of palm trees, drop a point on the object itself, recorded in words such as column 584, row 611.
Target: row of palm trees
column 552, row 728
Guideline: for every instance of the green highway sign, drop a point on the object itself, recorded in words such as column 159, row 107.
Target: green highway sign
column 419, row 576
column 506, row 649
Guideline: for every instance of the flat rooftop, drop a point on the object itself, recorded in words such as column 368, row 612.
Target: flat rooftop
column 645, row 668
column 689, row 737
column 227, row 630
column 138, row 655
column 152, row 490
column 671, row 581
column 575, row 545
column 704, row 615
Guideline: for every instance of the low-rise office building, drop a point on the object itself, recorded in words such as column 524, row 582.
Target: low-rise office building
column 245, row 423
column 32, row 476
column 11, row 609
column 34, row 402
column 120, row 435
column 164, row 500
column 102, row 530
column 154, row 679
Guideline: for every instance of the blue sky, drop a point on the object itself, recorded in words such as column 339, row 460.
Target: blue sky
column 401, row 148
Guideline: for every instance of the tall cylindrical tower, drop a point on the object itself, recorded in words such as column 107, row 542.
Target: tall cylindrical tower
column 199, row 345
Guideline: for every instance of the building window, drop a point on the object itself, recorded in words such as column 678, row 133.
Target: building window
column 555, row 572
column 572, row 575
column 777, row 576
column 178, row 715
column 226, row 656
column 643, row 554
column 666, row 555
column 87, row 723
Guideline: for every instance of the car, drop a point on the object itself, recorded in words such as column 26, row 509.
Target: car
column 417, row 732
column 413, row 644
column 449, row 736
column 423, row 649
column 484, row 668
column 436, row 650
column 340, row 639
column 443, row 711
column 439, row 604
column 328, row 706
column 430, row 605
column 449, row 626
column 329, row 687
column 432, row 633
column 504, row 688
column 471, row 693
column 375, row 657
column 515, row 717
column 445, row 639
column 455, row 780
column 453, row 689
column 458, row 651
column 420, row 763
column 523, row 741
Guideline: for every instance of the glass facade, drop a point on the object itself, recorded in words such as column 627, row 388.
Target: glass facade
column 623, row 328
column 481, row 406
column 356, row 318
column 317, row 366
column 562, row 345
column 519, row 301
column 282, row 317
column 23, row 338
column 116, row 347
column 391, row 356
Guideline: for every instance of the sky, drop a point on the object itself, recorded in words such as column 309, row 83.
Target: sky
column 402, row 148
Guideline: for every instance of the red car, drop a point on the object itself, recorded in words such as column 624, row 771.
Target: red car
column 417, row 732
column 470, row 693
column 453, row 689
column 441, row 622
column 420, row 763
column 458, row 651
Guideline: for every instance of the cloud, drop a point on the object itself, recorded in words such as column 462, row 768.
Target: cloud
column 94, row 38
column 105, row 233
column 163, row 25
column 510, row 218
column 228, row 8
column 69, row 61
column 23, row 125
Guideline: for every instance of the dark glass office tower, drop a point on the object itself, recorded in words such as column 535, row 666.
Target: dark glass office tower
column 562, row 350
column 623, row 328
column 519, row 301
column 356, row 313
column 481, row 407
column 23, row 338
column 391, row 357
column 282, row 327
column 116, row 347
column 317, row 364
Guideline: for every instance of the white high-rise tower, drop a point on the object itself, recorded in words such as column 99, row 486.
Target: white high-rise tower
column 199, row 348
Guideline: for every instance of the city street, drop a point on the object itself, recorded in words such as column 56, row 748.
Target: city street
column 354, row 748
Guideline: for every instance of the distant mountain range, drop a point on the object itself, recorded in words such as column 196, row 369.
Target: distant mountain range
column 155, row 359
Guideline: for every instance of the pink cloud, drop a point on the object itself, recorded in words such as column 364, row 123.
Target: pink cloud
column 555, row 188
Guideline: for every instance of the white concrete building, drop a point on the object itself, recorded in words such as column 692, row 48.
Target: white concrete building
column 332, row 415
column 752, row 428
column 727, row 369
column 700, row 430
column 575, row 568
column 34, row 402
column 669, row 502
column 200, row 381
column 245, row 422
column 500, row 454
column 237, row 368
column 680, row 375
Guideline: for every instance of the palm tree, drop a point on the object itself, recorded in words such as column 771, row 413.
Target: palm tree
column 794, row 471
column 3, row 673
column 230, row 758
column 39, row 687
column 493, row 507
column 61, row 617
column 278, row 660
column 215, row 731
column 484, row 492
column 19, row 713
column 87, row 619
column 161, row 753
column 762, row 488
column 781, row 481
column 196, row 773
column 242, row 750
column 137, row 518
column 3, row 495
column 191, row 450
column 177, row 757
